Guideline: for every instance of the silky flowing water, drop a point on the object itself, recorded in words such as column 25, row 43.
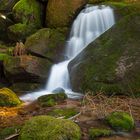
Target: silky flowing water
column 91, row 22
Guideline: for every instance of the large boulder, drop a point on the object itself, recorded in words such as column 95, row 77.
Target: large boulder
column 61, row 13
column 27, row 14
column 7, row 5
column 50, row 128
column 111, row 63
column 26, row 69
column 8, row 98
column 52, row 99
column 47, row 43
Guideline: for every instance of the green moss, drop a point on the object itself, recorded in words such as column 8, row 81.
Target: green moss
column 6, row 132
column 8, row 98
column 49, row 128
column 3, row 56
column 51, row 99
column 98, row 132
column 28, row 12
column 123, row 8
column 120, row 121
column 66, row 112
column 20, row 31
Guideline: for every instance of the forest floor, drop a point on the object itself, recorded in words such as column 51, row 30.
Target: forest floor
column 92, row 109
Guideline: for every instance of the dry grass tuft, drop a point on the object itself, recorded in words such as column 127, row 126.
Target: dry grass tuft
column 99, row 106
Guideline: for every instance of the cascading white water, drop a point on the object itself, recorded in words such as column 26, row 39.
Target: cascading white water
column 89, row 24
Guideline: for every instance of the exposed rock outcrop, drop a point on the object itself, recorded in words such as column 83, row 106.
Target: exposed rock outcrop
column 110, row 63
column 48, row 43
column 26, row 69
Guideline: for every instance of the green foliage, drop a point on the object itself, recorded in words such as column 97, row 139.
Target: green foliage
column 50, row 128
column 120, row 121
column 51, row 99
column 65, row 112
column 8, row 98
column 4, row 133
column 98, row 132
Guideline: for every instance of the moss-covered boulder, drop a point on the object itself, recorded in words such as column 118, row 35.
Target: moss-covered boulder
column 8, row 98
column 20, row 31
column 28, row 12
column 7, row 5
column 99, row 132
column 47, row 43
column 52, row 99
column 27, row 69
column 110, row 63
column 50, row 128
column 120, row 121
column 61, row 13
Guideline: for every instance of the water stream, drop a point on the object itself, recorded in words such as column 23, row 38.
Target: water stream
column 89, row 24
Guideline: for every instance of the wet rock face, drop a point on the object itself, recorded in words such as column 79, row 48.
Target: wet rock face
column 26, row 69
column 111, row 63
column 61, row 13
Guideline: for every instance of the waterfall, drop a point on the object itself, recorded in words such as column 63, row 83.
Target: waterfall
column 89, row 24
